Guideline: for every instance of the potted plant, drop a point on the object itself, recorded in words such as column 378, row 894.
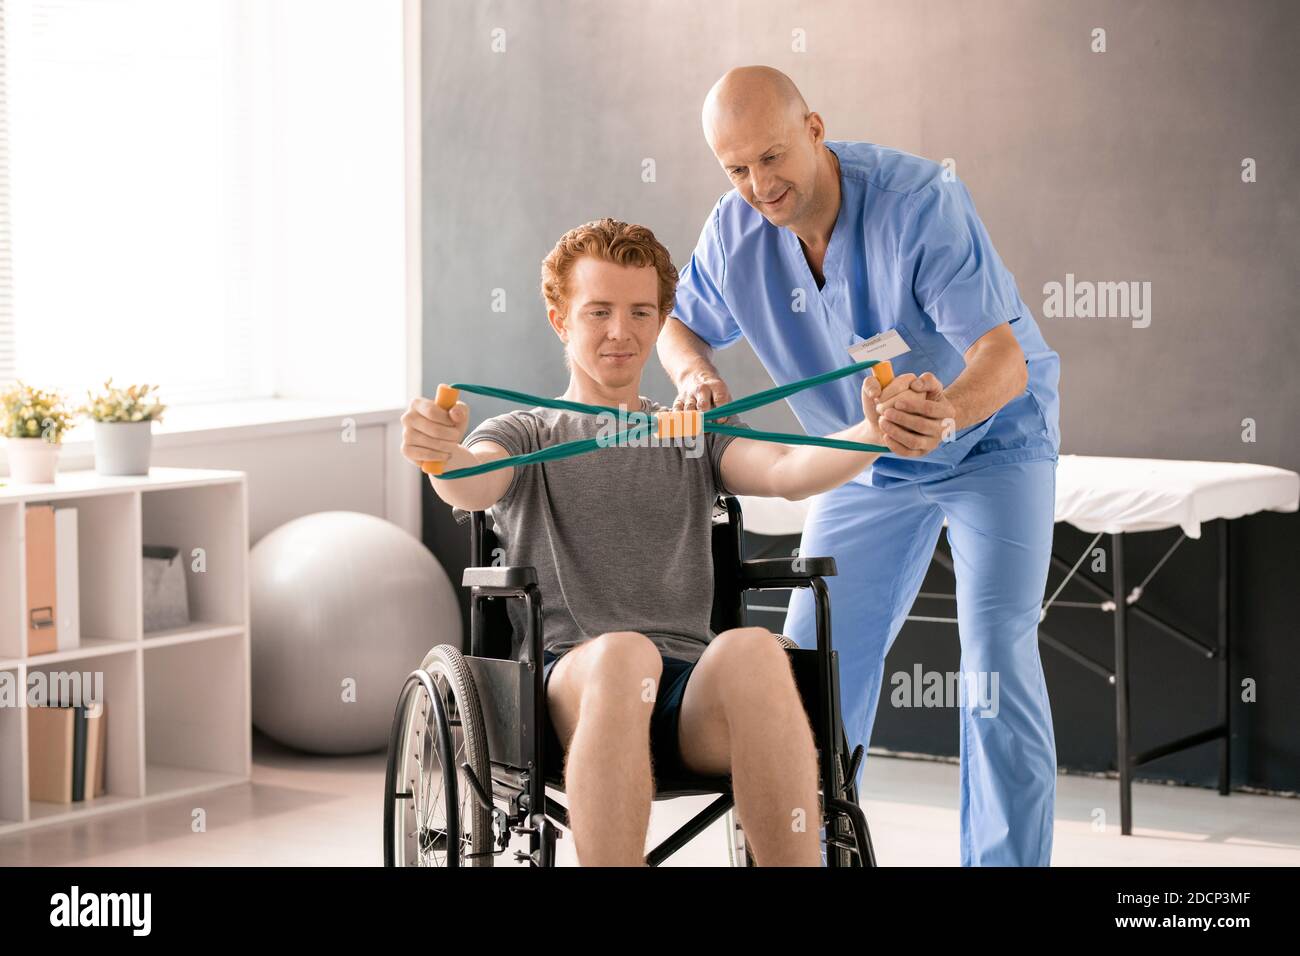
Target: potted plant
column 123, row 420
column 33, row 422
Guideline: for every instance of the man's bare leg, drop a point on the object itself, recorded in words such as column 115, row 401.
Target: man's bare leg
column 742, row 714
column 601, row 695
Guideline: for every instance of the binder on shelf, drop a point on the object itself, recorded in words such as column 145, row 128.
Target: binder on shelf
column 42, row 599
column 68, row 603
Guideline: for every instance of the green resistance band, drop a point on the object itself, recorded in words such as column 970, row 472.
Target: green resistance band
column 641, row 425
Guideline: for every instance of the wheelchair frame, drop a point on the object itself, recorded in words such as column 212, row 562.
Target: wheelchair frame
column 510, row 695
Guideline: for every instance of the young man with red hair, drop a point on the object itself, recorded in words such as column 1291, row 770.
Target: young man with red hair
column 636, row 684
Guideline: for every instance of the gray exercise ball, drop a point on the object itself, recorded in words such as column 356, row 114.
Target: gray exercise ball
column 344, row 605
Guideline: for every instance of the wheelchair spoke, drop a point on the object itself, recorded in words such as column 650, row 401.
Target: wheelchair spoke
column 408, row 811
column 458, row 750
column 428, row 835
column 434, row 816
column 466, row 793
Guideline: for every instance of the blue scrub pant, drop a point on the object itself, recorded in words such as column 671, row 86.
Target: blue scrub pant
column 1000, row 520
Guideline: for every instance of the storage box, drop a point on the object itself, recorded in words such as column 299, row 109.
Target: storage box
column 166, row 603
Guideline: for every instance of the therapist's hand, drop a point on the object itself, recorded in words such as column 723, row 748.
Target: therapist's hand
column 874, row 398
column 915, row 422
column 701, row 389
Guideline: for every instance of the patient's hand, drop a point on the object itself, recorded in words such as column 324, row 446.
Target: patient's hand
column 431, row 432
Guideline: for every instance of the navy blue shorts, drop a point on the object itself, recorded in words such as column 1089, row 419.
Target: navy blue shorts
column 665, row 752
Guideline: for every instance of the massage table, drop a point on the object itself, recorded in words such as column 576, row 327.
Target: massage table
column 1115, row 497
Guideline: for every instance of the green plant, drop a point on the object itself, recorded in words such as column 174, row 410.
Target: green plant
column 123, row 404
column 27, row 412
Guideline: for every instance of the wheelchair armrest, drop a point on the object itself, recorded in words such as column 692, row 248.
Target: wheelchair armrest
column 767, row 570
column 496, row 577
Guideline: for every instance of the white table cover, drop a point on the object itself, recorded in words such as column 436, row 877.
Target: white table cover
column 1117, row 495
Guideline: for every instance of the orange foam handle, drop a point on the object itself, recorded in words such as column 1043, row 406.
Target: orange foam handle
column 679, row 424
column 446, row 398
column 884, row 373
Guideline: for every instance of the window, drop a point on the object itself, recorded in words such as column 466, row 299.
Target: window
column 203, row 194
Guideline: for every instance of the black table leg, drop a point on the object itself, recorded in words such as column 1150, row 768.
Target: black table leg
column 1225, row 655
column 1122, row 758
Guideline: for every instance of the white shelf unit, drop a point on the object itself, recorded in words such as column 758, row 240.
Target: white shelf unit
column 177, row 702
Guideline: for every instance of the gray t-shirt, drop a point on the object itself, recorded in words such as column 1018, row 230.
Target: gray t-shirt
column 621, row 537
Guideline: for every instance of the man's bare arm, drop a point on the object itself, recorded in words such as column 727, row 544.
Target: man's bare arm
column 768, row 470
column 476, row 492
column 995, row 373
column 433, row 433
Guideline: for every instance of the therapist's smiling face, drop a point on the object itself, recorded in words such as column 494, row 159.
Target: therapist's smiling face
column 613, row 320
column 771, row 159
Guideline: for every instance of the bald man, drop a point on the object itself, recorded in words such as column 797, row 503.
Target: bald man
column 826, row 252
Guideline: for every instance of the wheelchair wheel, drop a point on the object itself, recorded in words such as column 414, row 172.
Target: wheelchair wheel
column 737, row 851
column 432, row 816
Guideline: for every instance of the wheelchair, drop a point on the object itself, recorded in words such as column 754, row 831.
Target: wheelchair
column 465, row 772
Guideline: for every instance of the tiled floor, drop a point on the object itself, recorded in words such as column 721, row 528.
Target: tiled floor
column 302, row 810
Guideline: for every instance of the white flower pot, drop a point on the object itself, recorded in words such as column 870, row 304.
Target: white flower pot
column 32, row 460
column 122, row 448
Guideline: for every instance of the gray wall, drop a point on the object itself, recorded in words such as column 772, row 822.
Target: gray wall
column 1123, row 165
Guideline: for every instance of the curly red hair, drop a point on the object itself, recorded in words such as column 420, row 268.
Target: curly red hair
column 610, row 240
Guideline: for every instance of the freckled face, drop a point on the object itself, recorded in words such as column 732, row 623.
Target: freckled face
column 613, row 319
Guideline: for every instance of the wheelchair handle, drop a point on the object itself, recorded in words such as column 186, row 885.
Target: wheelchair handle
column 446, row 398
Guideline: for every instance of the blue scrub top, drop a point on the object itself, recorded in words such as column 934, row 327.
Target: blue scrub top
column 908, row 252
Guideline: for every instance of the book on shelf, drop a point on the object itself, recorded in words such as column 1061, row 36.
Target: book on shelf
column 67, row 750
column 96, row 739
column 78, row 754
column 49, row 745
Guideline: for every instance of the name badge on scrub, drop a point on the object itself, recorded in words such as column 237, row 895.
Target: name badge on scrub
column 879, row 348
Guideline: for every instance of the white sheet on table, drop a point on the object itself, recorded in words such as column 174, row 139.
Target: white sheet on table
column 1146, row 494
column 1115, row 495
